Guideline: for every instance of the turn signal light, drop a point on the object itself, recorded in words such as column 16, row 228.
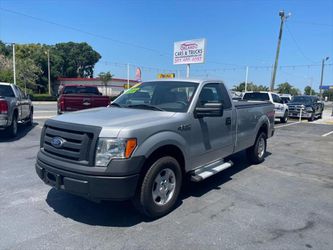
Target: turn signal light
column 130, row 146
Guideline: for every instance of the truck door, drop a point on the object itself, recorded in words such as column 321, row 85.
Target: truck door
column 212, row 136
column 19, row 103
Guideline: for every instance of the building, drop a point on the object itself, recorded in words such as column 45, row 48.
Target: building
column 113, row 88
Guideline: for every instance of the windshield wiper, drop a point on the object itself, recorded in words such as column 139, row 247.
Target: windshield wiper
column 145, row 106
column 115, row 104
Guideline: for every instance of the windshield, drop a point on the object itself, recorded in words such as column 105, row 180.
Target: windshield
column 302, row 99
column 6, row 91
column 80, row 90
column 256, row 97
column 167, row 96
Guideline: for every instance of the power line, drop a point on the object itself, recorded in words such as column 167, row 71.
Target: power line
column 313, row 23
column 297, row 45
column 85, row 32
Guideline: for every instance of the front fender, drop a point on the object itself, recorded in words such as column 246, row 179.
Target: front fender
column 161, row 139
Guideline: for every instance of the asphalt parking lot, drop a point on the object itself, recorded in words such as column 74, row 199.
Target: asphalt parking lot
column 284, row 203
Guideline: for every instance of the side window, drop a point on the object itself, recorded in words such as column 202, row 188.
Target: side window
column 209, row 93
column 276, row 98
column 213, row 92
column 18, row 92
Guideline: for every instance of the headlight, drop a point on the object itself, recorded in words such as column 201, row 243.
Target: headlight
column 113, row 148
column 309, row 109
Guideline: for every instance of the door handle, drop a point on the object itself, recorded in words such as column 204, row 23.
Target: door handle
column 228, row 121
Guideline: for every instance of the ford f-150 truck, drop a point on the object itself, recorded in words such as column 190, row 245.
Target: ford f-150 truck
column 77, row 97
column 15, row 107
column 149, row 139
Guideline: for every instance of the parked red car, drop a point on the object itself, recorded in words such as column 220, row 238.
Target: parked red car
column 77, row 97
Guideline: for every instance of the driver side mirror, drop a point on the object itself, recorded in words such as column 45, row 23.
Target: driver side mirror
column 209, row 109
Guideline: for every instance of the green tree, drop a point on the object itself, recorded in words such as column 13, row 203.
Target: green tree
column 287, row 88
column 6, row 69
column 105, row 77
column 27, row 74
column 250, row 87
column 66, row 60
column 309, row 91
column 77, row 59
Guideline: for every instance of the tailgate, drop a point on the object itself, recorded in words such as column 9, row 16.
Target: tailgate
column 99, row 101
column 77, row 102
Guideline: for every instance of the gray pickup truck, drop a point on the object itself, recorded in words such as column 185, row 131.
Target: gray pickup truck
column 149, row 139
column 15, row 107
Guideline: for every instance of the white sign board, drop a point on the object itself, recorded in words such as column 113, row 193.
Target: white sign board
column 188, row 52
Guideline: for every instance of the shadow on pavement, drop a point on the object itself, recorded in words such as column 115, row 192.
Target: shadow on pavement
column 123, row 214
column 22, row 131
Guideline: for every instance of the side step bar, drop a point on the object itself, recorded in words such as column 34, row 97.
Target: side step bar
column 209, row 170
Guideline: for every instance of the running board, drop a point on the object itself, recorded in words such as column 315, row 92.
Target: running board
column 209, row 170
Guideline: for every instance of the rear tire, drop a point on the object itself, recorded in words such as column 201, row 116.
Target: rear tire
column 256, row 153
column 31, row 118
column 160, row 188
column 12, row 129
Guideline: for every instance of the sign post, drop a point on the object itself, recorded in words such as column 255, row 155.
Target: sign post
column 189, row 52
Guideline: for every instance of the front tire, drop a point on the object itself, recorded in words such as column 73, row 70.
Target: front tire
column 160, row 188
column 311, row 119
column 256, row 153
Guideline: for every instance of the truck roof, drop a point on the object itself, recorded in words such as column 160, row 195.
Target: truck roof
column 185, row 80
column 79, row 85
column 5, row 83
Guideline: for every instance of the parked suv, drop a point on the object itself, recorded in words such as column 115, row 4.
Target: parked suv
column 281, row 109
column 15, row 107
column 311, row 107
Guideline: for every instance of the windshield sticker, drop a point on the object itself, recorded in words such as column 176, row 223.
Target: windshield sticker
column 132, row 90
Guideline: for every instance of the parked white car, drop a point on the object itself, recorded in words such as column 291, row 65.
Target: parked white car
column 280, row 108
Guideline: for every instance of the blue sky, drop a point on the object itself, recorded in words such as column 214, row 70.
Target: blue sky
column 142, row 33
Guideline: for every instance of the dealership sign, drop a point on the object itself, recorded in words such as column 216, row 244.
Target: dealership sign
column 170, row 75
column 188, row 52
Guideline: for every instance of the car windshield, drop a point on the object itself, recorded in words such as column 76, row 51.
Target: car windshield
column 302, row 99
column 285, row 99
column 6, row 91
column 173, row 96
column 256, row 97
column 80, row 90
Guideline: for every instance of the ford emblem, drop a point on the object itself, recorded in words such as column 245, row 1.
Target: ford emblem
column 57, row 142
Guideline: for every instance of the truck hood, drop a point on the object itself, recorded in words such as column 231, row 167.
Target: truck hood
column 113, row 118
column 297, row 104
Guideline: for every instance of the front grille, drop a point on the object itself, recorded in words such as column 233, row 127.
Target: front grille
column 294, row 108
column 79, row 142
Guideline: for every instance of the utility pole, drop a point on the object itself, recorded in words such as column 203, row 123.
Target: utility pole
column 322, row 77
column 14, row 63
column 49, row 70
column 283, row 19
column 187, row 70
column 246, row 76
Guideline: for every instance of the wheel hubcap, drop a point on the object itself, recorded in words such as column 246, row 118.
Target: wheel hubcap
column 261, row 147
column 164, row 186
